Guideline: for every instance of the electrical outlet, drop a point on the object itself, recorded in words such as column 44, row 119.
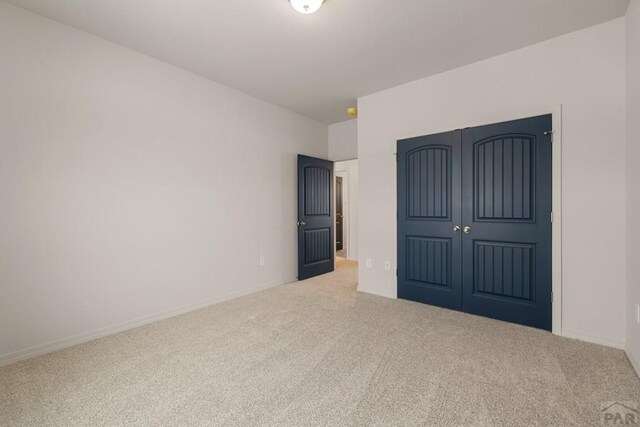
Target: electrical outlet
column 638, row 313
column 261, row 260
column 387, row 265
column 367, row 263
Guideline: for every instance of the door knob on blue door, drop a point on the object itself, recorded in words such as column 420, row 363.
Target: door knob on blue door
column 467, row 230
column 456, row 229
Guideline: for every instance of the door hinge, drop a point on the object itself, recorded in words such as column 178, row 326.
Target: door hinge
column 551, row 296
column 396, row 272
column 550, row 132
column 552, row 217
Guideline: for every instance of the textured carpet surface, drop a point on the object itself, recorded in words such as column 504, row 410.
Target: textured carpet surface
column 320, row 353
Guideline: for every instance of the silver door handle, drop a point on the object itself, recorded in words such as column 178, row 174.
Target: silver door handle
column 467, row 230
column 456, row 229
column 301, row 223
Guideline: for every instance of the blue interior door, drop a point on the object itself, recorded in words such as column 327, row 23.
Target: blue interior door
column 474, row 220
column 315, row 217
column 429, row 246
column 507, row 221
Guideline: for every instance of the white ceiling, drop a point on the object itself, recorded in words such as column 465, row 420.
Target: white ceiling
column 319, row 64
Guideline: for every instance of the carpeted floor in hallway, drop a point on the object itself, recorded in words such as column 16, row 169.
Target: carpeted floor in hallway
column 320, row 353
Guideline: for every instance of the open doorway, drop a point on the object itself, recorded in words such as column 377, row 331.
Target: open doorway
column 340, row 246
column 346, row 209
column 327, row 201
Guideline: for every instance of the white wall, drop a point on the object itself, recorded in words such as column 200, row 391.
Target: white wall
column 131, row 189
column 349, row 171
column 585, row 72
column 633, row 180
column 343, row 140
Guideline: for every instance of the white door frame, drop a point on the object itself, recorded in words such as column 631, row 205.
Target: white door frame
column 345, row 209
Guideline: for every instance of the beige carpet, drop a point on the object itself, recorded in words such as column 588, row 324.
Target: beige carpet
column 319, row 353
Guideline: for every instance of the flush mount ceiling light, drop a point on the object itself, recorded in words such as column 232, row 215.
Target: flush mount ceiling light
column 306, row 6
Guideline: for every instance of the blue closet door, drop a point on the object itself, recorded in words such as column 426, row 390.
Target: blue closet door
column 474, row 220
column 429, row 195
column 507, row 221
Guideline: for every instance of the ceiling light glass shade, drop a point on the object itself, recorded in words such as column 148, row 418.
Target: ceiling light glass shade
column 306, row 6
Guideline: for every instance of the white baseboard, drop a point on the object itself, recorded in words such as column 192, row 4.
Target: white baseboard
column 377, row 292
column 39, row 350
column 635, row 361
column 593, row 338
